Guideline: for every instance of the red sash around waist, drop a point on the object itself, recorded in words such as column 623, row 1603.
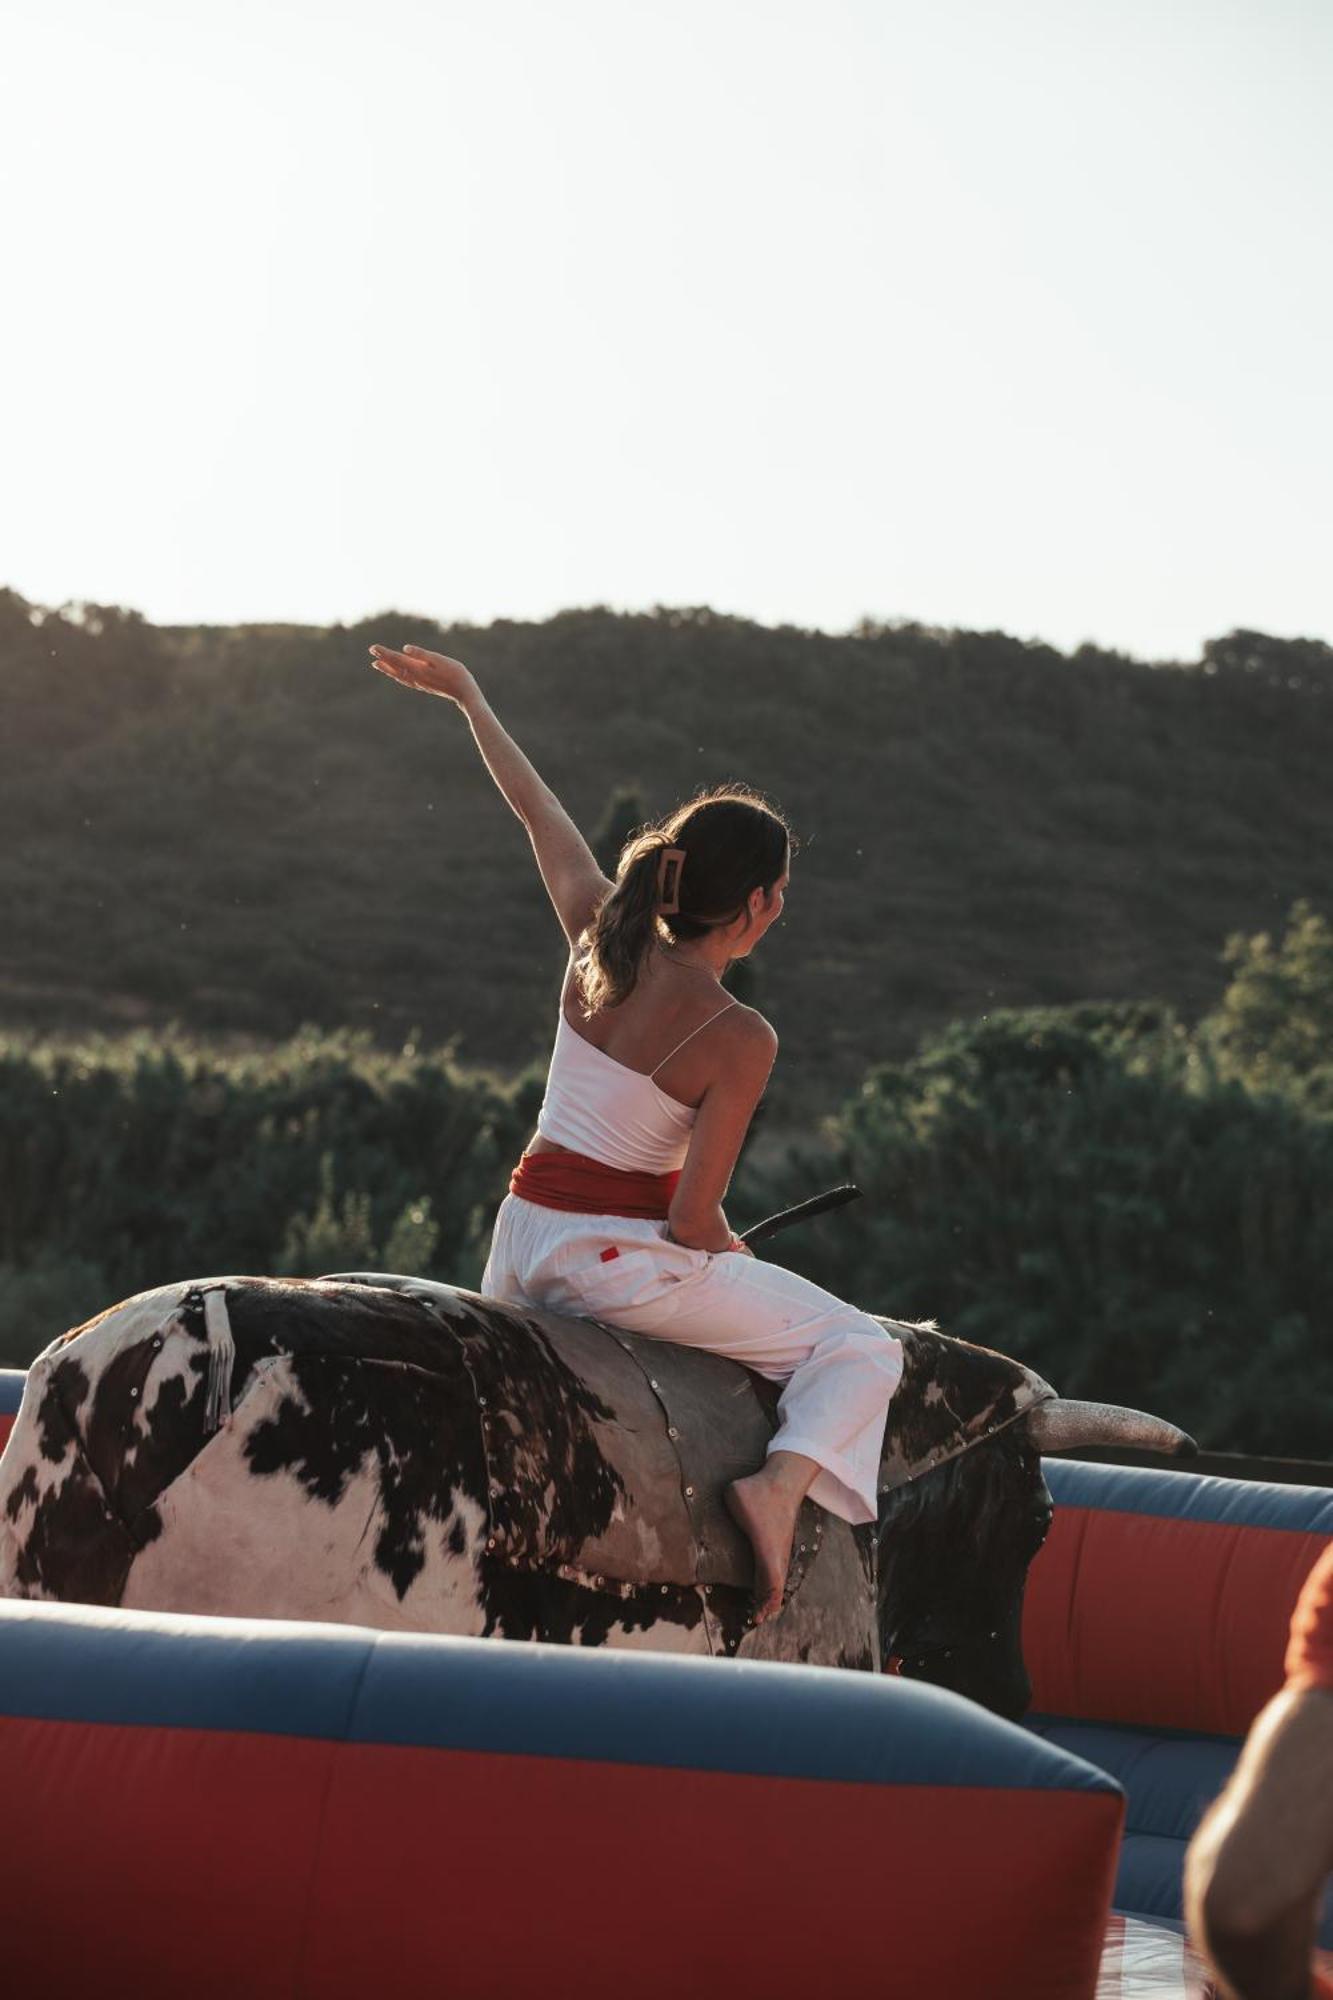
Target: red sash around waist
column 577, row 1181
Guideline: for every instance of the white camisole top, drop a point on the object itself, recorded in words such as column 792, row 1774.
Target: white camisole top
column 601, row 1107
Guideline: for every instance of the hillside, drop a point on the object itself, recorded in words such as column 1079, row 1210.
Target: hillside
column 241, row 828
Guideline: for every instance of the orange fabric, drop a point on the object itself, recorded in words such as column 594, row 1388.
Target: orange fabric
column 1321, row 1983
column 576, row 1181
column 1309, row 1658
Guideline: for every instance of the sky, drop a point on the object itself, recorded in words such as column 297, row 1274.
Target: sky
column 1008, row 317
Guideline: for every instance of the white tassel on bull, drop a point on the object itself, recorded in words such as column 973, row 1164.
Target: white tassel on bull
column 221, row 1357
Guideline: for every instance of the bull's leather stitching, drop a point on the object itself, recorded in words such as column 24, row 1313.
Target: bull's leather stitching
column 810, row 1519
column 507, row 1536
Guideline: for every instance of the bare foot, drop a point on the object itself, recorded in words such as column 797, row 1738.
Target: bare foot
column 768, row 1516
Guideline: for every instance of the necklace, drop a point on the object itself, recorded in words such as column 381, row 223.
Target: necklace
column 687, row 968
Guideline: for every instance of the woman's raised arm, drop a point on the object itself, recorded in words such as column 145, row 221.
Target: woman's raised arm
column 435, row 673
column 567, row 865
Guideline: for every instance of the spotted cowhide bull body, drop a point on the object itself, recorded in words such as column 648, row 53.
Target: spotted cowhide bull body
column 392, row 1452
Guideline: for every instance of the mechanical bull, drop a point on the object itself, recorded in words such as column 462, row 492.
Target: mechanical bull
column 391, row 1452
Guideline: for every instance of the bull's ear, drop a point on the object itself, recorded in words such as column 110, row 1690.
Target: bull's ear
column 1064, row 1424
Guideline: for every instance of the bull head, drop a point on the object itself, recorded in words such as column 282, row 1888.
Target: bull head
column 964, row 1508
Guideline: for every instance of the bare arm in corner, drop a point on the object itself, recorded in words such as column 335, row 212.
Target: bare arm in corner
column 1255, row 1869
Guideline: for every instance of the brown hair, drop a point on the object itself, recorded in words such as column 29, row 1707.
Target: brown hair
column 734, row 842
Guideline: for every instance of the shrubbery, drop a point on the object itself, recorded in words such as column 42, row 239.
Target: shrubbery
column 130, row 1162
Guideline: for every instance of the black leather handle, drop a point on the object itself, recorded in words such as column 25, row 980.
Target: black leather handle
column 785, row 1217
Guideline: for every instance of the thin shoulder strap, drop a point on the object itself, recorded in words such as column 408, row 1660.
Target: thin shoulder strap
column 693, row 1031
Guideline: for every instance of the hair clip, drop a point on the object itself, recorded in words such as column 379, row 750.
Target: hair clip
column 669, row 854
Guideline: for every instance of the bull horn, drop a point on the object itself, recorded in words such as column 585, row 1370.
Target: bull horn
column 1065, row 1424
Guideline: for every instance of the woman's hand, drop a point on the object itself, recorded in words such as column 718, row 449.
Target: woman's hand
column 433, row 673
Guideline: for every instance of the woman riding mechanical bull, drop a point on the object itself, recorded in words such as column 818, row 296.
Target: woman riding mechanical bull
column 615, row 1208
column 549, row 1458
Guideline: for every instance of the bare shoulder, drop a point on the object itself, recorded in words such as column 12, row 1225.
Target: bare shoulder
column 755, row 1023
column 750, row 1035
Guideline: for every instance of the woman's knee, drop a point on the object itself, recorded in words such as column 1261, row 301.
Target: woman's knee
column 862, row 1338
column 881, row 1347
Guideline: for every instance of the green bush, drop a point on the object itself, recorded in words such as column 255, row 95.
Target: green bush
column 150, row 1158
column 338, row 1236
column 43, row 1299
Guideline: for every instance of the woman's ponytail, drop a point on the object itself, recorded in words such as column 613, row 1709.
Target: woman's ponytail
column 625, row 925
column 732, row 842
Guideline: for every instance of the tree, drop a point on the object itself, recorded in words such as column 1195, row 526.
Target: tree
column 1260, row 656
column 625, row 811
column 1274, row 1024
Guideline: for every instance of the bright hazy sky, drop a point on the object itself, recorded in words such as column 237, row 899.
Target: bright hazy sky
column 1007, row 315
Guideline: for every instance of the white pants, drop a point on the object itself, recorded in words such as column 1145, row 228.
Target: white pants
column 840, row 1366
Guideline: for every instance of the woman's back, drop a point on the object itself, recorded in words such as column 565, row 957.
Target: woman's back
column 625, row 1085
column 654, row 1031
